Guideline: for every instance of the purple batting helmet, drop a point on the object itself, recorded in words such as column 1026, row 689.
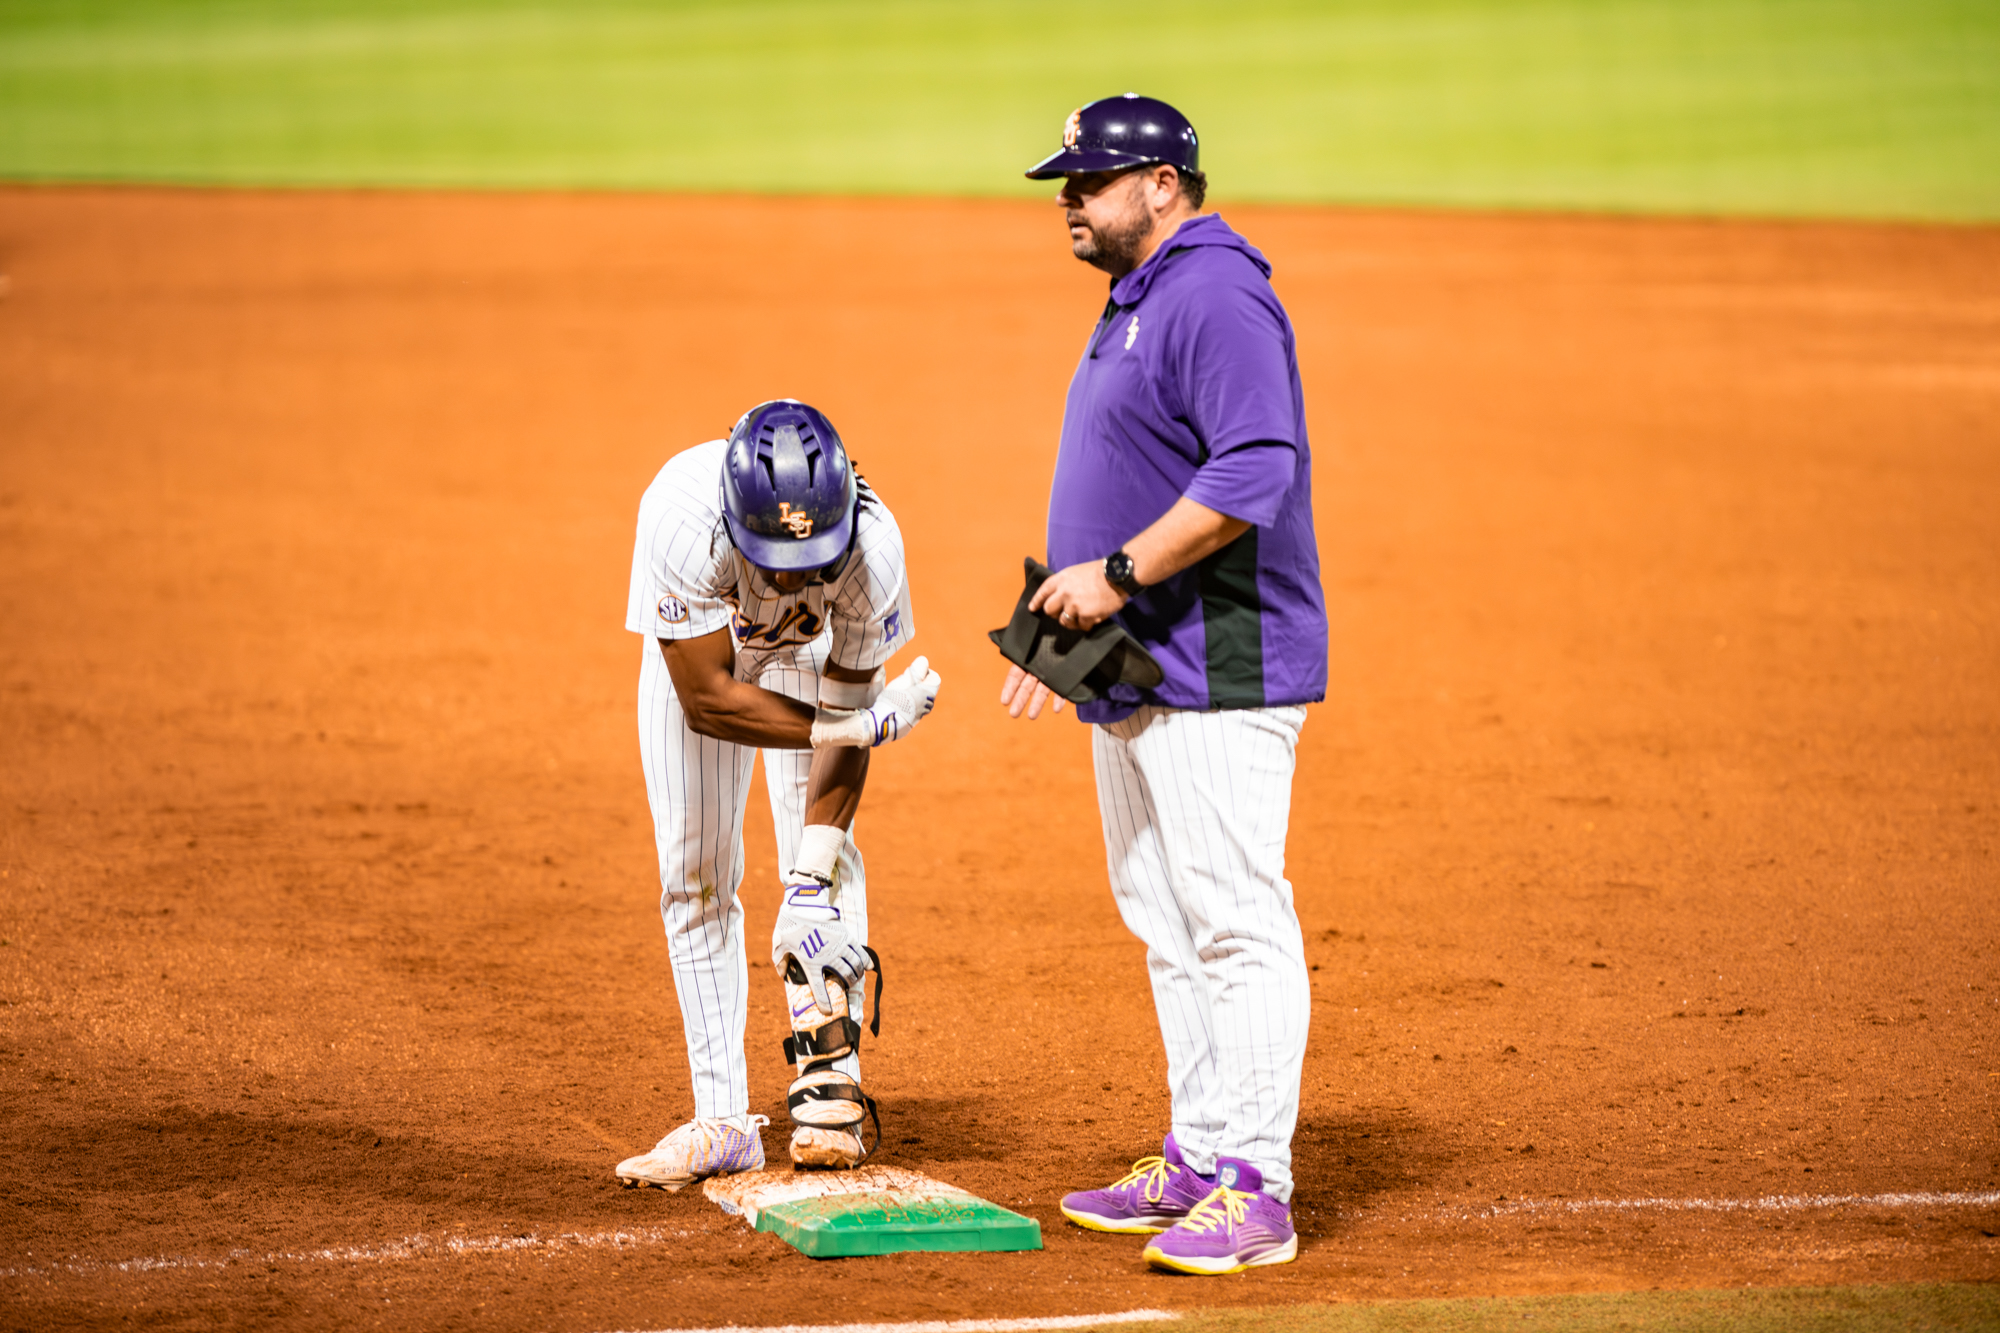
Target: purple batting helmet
column 788, row 492
column 1116, row 132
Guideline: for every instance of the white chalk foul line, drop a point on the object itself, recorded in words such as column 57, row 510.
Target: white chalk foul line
column 1769, row 1203
column 953, row 1325
column 452, row 1247
column 409, row 1247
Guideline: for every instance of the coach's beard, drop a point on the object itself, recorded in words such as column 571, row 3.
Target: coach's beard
column 1113, row 248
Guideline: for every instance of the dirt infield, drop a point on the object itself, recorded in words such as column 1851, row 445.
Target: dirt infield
column 1646, row 846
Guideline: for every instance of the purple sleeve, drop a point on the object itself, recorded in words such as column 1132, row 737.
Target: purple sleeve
column 1247, row 481
column 1239, row 396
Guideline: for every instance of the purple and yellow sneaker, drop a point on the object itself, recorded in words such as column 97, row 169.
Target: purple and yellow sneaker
column 1236, row 1227
column 1156, row 1193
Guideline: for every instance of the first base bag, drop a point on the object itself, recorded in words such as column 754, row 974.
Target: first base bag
column 1080, row 665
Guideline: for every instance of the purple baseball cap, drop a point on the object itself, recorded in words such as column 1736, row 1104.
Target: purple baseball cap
column 1115, row 132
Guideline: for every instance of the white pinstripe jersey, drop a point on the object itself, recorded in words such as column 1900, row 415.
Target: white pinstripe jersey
column 689, row 580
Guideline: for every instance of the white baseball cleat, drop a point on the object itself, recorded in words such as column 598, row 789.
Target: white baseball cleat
column 826, row 1149
column 698, row 1149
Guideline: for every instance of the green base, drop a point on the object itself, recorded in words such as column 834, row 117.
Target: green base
column 841, row 1225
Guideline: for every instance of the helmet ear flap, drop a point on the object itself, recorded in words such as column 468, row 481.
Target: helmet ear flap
column 828, row 573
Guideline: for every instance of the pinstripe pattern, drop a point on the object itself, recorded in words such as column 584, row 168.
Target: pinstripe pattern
column 687, row 581
column 1195, row 808
column 697, row 787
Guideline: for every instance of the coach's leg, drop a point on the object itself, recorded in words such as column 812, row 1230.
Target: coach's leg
column 697, row 787
column 1141, row 886
column 1221, row 787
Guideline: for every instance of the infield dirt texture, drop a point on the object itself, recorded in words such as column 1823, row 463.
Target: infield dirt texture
column 1646, row 845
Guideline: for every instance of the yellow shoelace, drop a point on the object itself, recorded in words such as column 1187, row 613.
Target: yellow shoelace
column 1153, row 1171
column 1223, row 1207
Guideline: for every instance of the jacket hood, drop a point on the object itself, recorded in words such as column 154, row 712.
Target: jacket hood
column 1204, row 229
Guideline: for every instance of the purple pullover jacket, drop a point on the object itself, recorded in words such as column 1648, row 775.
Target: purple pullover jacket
column 1190, row 386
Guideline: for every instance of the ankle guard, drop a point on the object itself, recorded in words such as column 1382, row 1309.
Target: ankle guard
column 823, row 1097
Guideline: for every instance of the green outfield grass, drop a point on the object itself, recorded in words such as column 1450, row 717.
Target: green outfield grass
column 1912, row 1308
column 1858, row 107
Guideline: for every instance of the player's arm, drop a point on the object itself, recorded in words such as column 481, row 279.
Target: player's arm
column 856, row 712
column 724, row 708
column 718, row 705
column 727, row 709
column 833, row 785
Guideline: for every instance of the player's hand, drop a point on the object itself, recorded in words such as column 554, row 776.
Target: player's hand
column 1078, row 597
column 904, row 702
column 810, row 930
column 1024, row 691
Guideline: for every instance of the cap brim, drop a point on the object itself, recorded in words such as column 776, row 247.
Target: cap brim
column 1070, row 161
column 790, row 555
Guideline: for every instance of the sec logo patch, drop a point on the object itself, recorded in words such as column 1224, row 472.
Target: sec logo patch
column 673, row 610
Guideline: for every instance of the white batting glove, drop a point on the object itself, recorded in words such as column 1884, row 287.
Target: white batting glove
column 904, row 702
column 809, row 929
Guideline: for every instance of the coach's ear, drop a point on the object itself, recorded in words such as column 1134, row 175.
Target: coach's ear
column 1163, row 187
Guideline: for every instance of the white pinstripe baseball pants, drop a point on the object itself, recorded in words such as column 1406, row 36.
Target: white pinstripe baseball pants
column 1195, row 808
column 697, row 787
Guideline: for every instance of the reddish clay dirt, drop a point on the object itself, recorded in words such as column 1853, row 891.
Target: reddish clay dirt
column 1646, row 845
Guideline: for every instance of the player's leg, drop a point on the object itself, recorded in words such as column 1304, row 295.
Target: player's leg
column 786, row 773
column 697, row 787
column 1159, row 1190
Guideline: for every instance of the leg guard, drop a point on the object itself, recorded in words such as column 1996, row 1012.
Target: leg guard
column 831, row 1111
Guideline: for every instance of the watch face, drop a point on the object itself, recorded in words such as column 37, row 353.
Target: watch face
column 1118, row 572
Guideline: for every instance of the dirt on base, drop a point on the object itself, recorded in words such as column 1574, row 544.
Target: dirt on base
column 1645, row 846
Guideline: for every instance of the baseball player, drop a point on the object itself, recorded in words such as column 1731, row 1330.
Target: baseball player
column 1182, row 506
column 768, row 583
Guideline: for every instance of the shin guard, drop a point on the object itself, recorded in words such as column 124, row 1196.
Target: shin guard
column 822, row 1097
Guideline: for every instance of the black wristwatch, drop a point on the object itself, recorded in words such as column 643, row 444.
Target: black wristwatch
column 1118, row 573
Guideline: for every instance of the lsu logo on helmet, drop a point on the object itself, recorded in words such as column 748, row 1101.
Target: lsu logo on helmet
column 797, row 521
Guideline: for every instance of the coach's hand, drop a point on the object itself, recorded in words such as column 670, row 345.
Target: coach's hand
column 1078, row 597
column 1024, row 691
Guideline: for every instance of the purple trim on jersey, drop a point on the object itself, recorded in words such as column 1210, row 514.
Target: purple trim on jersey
column 1190, row 386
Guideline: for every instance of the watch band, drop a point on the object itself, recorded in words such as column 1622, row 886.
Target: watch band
column 1119, row 573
